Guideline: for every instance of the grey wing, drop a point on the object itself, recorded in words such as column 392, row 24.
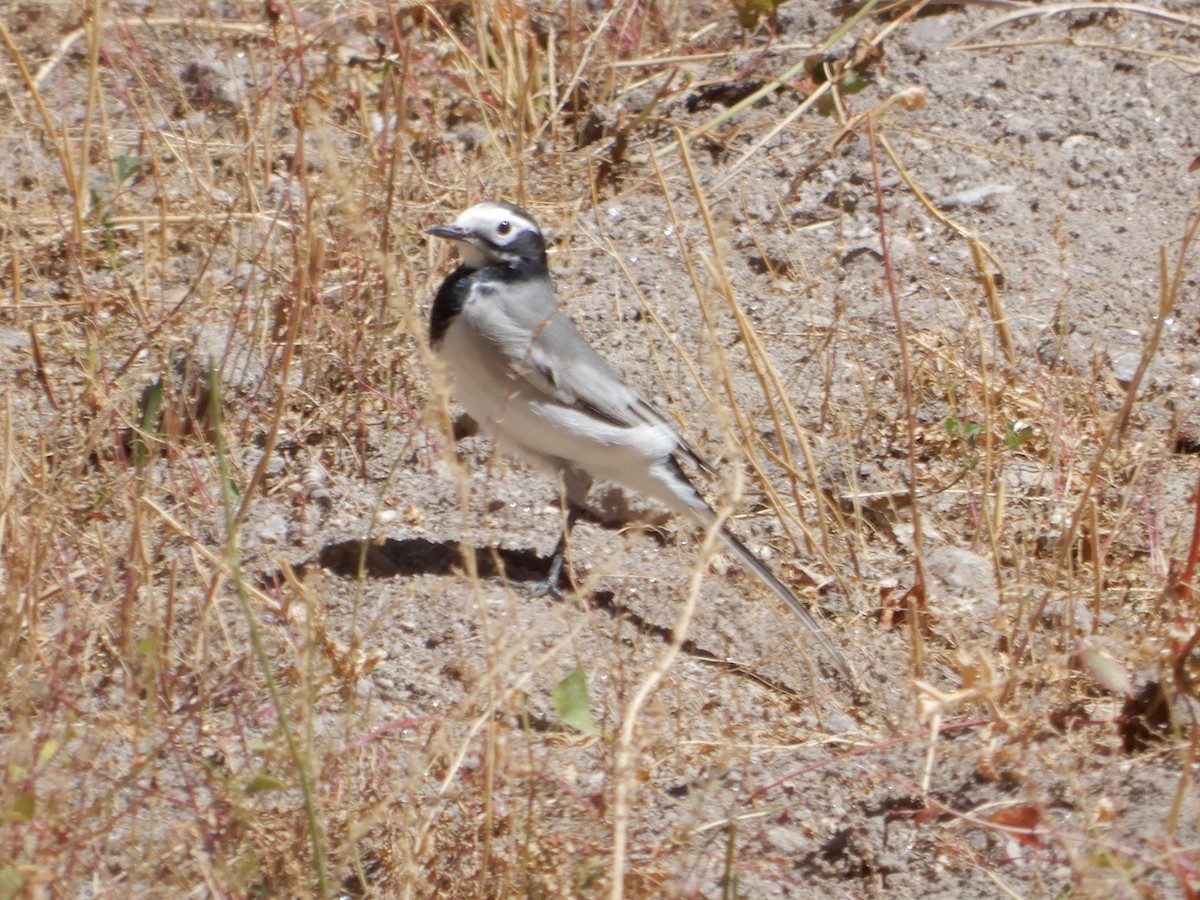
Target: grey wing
column 563, row 364
column 528, row 327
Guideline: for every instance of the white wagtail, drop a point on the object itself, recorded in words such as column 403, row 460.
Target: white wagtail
column 529, row 378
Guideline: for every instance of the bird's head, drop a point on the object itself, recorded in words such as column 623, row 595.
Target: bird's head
column 494, row 233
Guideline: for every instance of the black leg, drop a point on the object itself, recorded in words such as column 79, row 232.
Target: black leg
column 551, row 586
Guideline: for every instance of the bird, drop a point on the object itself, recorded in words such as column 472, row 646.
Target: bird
column 525, row 374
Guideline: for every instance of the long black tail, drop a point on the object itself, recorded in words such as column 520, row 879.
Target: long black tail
column 669, row 483
column 767, row 577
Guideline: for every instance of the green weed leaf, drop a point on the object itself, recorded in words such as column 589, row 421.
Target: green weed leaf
column 260, row 783
column 151, row 411
column 1016, row 434
column 571, row 700
column 127, row 166
column 12, row 883
column 23, row 807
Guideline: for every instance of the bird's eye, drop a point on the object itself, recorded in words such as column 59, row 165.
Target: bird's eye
column 503, row 228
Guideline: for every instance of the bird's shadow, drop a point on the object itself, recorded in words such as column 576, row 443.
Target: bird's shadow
column 391, row 558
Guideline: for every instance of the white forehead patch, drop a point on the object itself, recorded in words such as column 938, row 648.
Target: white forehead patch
column 486, row 218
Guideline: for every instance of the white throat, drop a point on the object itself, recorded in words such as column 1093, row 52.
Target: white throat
column 472, row 257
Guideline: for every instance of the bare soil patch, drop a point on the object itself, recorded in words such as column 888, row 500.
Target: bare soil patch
column 922, row 280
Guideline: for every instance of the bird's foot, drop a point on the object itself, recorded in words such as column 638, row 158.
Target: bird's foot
column 547, row 588
column 552, row 586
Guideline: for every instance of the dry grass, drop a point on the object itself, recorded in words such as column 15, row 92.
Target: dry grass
column 215, row 306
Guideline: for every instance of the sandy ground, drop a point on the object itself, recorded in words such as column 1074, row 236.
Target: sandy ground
column 987, row 755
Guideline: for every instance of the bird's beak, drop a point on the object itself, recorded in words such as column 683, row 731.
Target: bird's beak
column 472, row 249
column 450, row 232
